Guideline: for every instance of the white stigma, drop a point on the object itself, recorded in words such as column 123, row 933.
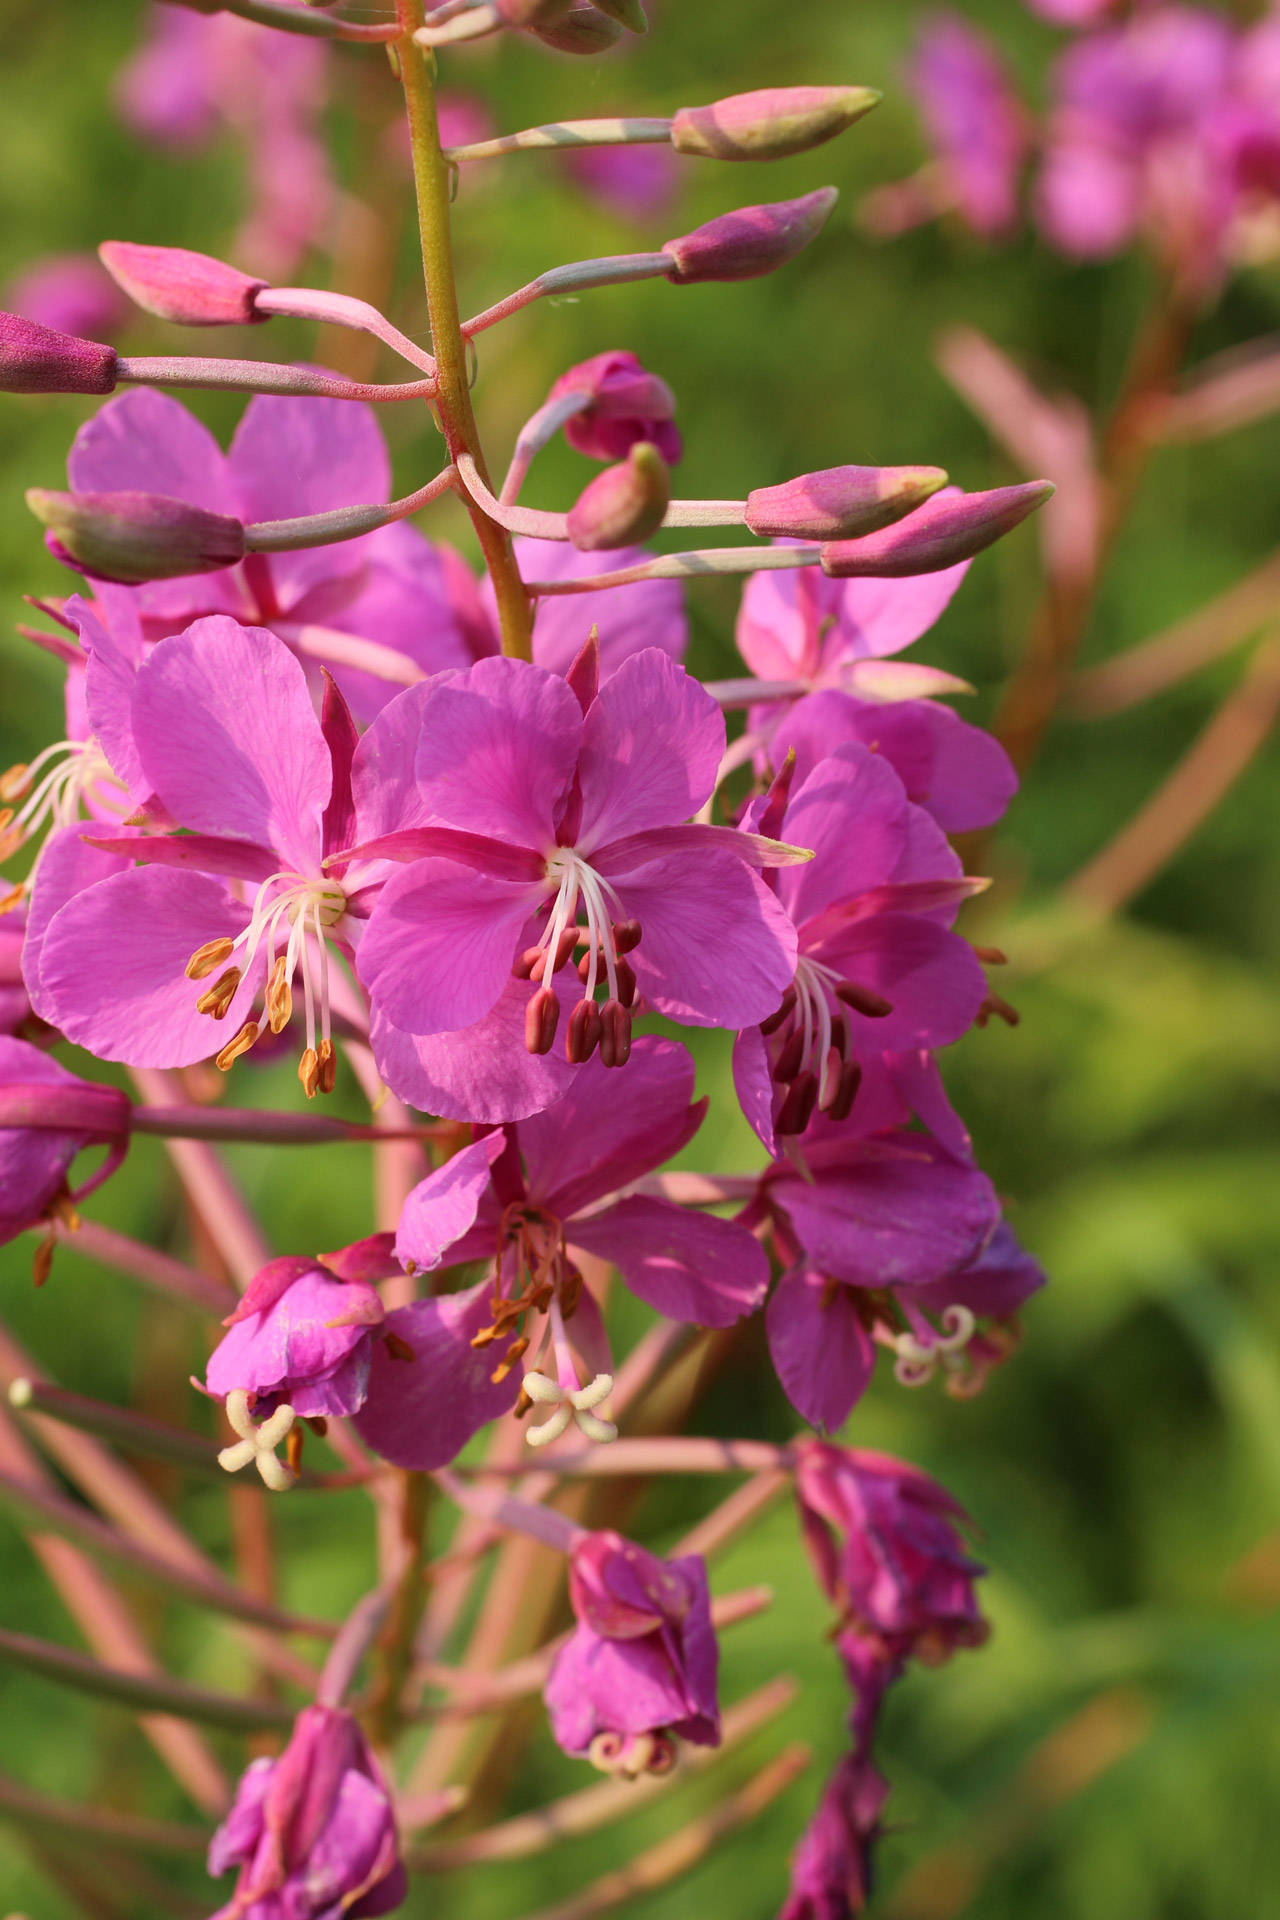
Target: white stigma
column 257, row 1445
column 570, row 1403
column 918, row 1362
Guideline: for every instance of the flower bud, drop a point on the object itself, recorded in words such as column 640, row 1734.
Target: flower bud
column 626, row 404
column 134, row 537
column 191, row 288
column 840, row 502
column 580, row 29
column 623, row 505
column 751, row 241
column 951, row 527
column 770, row 124
column 628, row 13
column 36, row 359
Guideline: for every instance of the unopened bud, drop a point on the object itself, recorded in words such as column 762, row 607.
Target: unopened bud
column 581, row 28
column 770, row 124
column 192, row 288
column 951, row 527
column 751, row 241
column 628, row 13
column 840, row 502
column 36, row 359
column 135, row 537
column 623, row 505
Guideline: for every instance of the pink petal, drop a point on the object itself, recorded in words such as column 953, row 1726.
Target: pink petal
column 717, row 950
column 229, row 740
column 383, row 782
column 114, row 657
column 443, row 1207
column 879, row 617
column 420, row 1413
column 649, row 614
column 932, row 978
column 652, row 743
column 753, row 1084
column 438, row 949
column 781, row 621
column 823, row 1354
column 68, row 864
column 853, row 812
column 999, row 1281
column 686, row 1265
column 482, row 1073
column 594, row 1141
column 406, row 599
column 147, row 442
column 497, row 751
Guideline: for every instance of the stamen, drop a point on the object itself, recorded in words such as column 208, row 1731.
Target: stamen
column 279, row 998
column 217, row 1001
column 241, row 1043
column 797, row 1107
column 328, row 1064
column 993, row 1004
column 992, row 956
column 206, row 958
column 784, row 1013
column 540, row 1019
column 585, row 1029
column 863, row 1000
column 397, row 1349
column 791, row 1059
column 16, row 783
column 308, row 1072
column 615, row 1034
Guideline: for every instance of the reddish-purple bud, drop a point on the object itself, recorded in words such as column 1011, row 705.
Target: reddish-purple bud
column 581, row 28
column 951, row 527
column 191, row 288
column 135, row 537
column 840, row 502
column 623, row 505
column 751, row 241
column 628, row 13
column 770, row 124
column 36, row 359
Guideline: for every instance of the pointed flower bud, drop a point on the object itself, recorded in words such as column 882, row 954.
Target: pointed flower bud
column 623, row 505
column 36, row 359
column 580, row 29
column 840, row 502
column 751, row 241
column 770, row 124
column 134, row 537
column 950, row 527
column 191, row 288
column 628, row 13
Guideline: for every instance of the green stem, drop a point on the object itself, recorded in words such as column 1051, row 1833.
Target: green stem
column 453, row 401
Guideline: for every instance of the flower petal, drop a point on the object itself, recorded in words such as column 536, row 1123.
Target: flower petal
column 853, row 812
column 421, row 1412
column 878, row 617
column 754, row 1085
column 649, row 613
column 823, row 1354
column 687, row 1265
column 67, row 865
column 438, row 949
column 497, row 751
column 482, row 1073
column 444, row 1206
column 652, row 742
column 593, row 1142
column 147, row 442
column 932, row 978
column 717, row 950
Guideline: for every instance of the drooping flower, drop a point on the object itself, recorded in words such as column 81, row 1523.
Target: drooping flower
column 878, row 970
column 639, row 1670
column 974, row 119
column 624, row 404
column 524, row 1197
column 35, row 1159
column 313, row 1833
column 549, row 799
column 298, row 1337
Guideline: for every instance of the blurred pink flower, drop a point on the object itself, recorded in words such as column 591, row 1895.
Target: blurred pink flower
column 634, row 183
column 71, row 292
column 974, row 120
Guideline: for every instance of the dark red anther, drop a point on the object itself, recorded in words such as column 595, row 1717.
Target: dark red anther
column 583, row 1037
column 626, row 936
column 540, row 1017
column 797, row 1108
column 840, row 1037
column 584, row 965
column 626, row 983
column 846, row 1092
column 791, row 1059
column 829, row 1083
column 615, row 1037
column 522, row 967
column 784, row 1012
column 863, row 1000
column 992, row 956
column 1001, row 1008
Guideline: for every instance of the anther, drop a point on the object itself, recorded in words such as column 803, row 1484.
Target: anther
column 993, row 1004
column 293, row 1449
column 238, row 1044
column 798, row 1106
column 13, row 898
column 217, row 1000
column 279, row 997
column 626, row 936
column 584, row 965
column 832, row 1068
column 791, row 1059
column 992, row 956
column 10, row 842
column 6, row 815
column 873, row 1006
column 308, row 1072
column 847, row 1091
column 540, row 1019
column 327, row 1061
column 615, row 1034
column 516, row 1351
column 16, row 783
column 784, row 1012
column 397, row 1349
column 626, row 983
column 583, row 1037
column 206, row 958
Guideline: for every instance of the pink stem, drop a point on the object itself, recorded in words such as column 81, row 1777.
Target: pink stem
column 341, row 310
column 344, row 523
column 156, row 1270
column 658, row 1455
column 210, row 1188
column 518, row 1516
column 613, row 270
column 527, row 520
column 259, row 376
column 686, row 566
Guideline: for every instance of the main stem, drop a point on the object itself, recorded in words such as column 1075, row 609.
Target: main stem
column 453, row 403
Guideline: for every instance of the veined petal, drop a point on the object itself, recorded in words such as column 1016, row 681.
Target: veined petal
column 717, row 949
column 229, row 740
column 495, row 858
column 68, row 864
column 757, row 849
column 438, row 949
column 421, row 1412
column 497, row 751
column 853, row 812
column 932, row 978
column 754, row 1085
column 686, row 1265
column 443, row 1207
column 144, row 441
column 481, row 1073
column 879, row 617
column 823, row 1354
column 193, row 852
column 383, row 782
column 652, row 742
column 592, row 1142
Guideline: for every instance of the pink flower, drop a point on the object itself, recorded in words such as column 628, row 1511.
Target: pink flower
column 640, row 1667
column 298, row 1337
column 547, row 799
column 288, row 458
column 831, row 1868
column 884, row 1541
column 35, row 1160
column 313, row 1833
column 973, row 118
column 878, row 969
column 650, row 613
column 71, row 292
column 632, row 183
column 523, row 1197
column 15, row 1004
column 626, row 404
column 1072, row 13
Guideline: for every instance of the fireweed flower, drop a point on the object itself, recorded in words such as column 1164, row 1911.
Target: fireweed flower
column 298, row 1337
column 832, row 1865
column 313, row 1832
column 867, row 1222
column 649, row 613
column 639, row 1671
column 240, row 903
column 878, row 970
column 524, row 1197
column 974, row 120
column 71, row 292
column 565, row 799
column 35, row 1161
column 624, row 404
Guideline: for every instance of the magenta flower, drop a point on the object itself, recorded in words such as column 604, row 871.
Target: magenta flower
column 71, row 292
column 832, row 1866
column 313, row 1833
column 639, row 1670
column 624, row 404
column 650, row 613
column 35, row 1160
column 878, row 1218
column 632, row 183
column 15, row 1003
column 543, row 807
column 523, row 1198
column 298, row 1337
column 289, row 457
column 1072, row 13
column 878, row 970
column 884, row 1541
column 974, row 120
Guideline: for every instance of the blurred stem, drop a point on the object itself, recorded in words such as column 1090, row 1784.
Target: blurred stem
column 1063, row 616
column 453, row 401
column 403, row 1547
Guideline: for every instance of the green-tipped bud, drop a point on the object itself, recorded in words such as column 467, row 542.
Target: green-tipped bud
column 950, row 527
column 624, row 504
column 770, row 124
column 841, row 503
column 135, row 537
column 581, row 28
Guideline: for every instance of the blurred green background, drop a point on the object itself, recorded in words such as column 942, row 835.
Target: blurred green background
column 1115, row 1752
